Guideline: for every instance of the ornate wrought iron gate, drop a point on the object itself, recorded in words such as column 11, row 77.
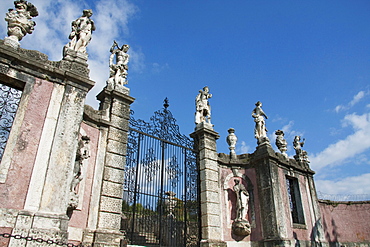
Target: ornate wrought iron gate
column 160, row 200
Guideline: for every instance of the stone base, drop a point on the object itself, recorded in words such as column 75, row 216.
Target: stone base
column 204, row 125
column 212, row 243
column 74, row 56
column 104, row 238
column 120, row 88
column 241, row 228
column 40, row 225
column 11, row 42
column 263, row 141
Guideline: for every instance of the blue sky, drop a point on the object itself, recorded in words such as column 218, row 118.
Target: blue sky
column 308, row 62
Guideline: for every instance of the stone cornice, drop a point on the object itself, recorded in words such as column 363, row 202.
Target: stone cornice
column 36, row 64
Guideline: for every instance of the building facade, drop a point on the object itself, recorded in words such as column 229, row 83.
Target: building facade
column 63, row 164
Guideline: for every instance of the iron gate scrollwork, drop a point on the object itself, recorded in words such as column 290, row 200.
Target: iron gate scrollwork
column 160, row 200
column 9, row 101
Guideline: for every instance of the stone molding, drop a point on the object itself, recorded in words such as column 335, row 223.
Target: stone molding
column 36, row 64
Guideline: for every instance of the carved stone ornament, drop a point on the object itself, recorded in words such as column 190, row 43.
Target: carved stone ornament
column 82, row 154
column 301, row 155
column 281, row 143
column 81, row 33
column 260, row 129
column 203, row 109
column 19, row 22
column 118, row 70
column 241, row 226
column 231, row 140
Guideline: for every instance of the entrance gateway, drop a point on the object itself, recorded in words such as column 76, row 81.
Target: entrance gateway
column 160, row 198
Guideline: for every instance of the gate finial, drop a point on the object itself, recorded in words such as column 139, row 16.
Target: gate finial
column 166, row 103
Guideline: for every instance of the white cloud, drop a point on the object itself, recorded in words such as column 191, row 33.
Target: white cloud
column 352, row 145
column 157, row 68
column 243, row 148
column 357, row 98
column 359, row 185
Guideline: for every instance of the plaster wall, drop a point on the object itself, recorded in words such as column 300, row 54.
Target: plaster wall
column 345, row 222
column 14, row 191
column 297, row 231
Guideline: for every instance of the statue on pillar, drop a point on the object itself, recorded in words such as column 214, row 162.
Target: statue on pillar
column 260, row 129
column 118, row 70
column 82, row 154
column 281, row 143
column 231, row 141
column 81, row 33
column 19, row 22
column 301, row 155
column 203, row 109
column 241, row 226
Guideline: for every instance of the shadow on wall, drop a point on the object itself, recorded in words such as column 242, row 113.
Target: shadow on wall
column 331, row 237
column 297, row 243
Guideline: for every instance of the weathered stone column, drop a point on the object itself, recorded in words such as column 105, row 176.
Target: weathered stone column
column 117, row 105
column 205, row 143
column 318, row 233
column 273, row 216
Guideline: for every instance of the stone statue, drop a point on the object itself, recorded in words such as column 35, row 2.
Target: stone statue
column 118, row 70
column 231, row 140
column 241, row 226
column 82, row 154
column 300, row 154
column 19, row 22
column 170, row 202
column 297, row 144
column 82, row 29
column 242, row 199
column 260, row 128
column 203, row 109
column 281, row 143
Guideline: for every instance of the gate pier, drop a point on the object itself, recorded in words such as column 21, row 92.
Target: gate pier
column 205, row 142
column 115, row 106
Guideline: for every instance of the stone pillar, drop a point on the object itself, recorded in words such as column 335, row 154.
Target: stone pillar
column 117, row 103
column 205, row 143
column 273, row 216
column 318, row 233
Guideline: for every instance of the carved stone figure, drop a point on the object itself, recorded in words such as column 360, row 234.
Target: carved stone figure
column 242, row 199
column 82, row 154
column 82, row 29
column 203, row 109
column 170, row 202
column 297, row 144
column 19, row 22
column 241, row 226
column 260, row 128
column 118, row 70
column 281, row 143
column 300, row 154
column 231, row 140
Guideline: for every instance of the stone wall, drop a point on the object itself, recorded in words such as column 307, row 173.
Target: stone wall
column 346, row 223
column 264, row 174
